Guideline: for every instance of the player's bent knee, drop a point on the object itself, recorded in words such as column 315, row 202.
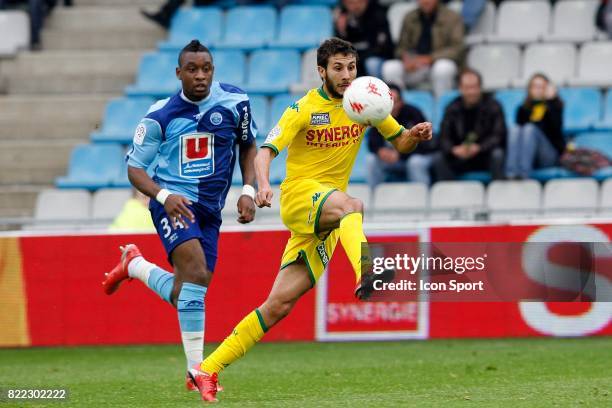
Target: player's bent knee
column 353, row 205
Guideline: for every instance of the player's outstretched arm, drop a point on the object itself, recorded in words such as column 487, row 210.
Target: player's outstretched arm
column 410, row 138
column 246, row 204
column 174, row 204
column 263, row 159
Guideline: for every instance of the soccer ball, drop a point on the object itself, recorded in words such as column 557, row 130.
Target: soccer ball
column 367, row 100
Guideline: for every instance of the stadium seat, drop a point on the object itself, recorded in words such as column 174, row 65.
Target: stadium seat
column 360, row 167
column 603, row 173
column 498, row 64
column 203, row 23
column 570, row 197
column 484, row 27
column 156, row 76
column 594, row 62
column 422, row 100
column 600, row 141
column 249, row 27
column 481, row 176
column 582, row 108
column 456, row 199
column 272, row 71
column 508, row 200
column 395, row 16
column 61, row 205
column 605, row 202
column 532, row 17
column 573, row 20
column 120, row 119
column 510, row 100
column 550, row 173
column 14, row 32
column 557, row 61
column 108, row 202
column 230, row 67
column 279, row 104
column 400, row 201
column 261, row 114
column 606, row 122
column 441, row 105
column 303, row 27
column 92, row 166
column 310, row 74
column 329, row 3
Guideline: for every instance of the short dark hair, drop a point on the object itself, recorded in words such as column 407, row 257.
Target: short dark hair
column 394, row 87
column 193, row 46
column 331, row 47
column 471, row 71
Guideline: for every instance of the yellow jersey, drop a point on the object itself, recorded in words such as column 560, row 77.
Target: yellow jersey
column 322, row 142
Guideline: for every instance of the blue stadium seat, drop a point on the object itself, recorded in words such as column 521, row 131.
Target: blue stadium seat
column 122, row 181
column 203, row 23
column 582, row 108
column 156, row 76
column 422, row 100
column 279, row 104
column 549, row 173
column 230, row 67
column 120, row 119
column 249, row 27
column 261, row 114
column 329, row 3
column 600, row 141
column 360, row 168
column 304, row 26
column 603, row 174
column 606, row 122
column 510, row 100
column 278, row 168
column 93, row 166
column 482, row 176
column 272, row 71
column 441, row 105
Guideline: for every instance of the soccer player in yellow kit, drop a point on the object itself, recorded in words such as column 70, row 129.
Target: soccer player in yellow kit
column 322, row 145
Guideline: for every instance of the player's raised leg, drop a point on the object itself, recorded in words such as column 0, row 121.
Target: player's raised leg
column 290, row 284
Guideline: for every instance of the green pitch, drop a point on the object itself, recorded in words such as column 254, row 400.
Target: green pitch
column 465, row 373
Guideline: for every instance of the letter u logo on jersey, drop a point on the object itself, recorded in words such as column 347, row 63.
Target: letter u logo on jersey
column 197, row 155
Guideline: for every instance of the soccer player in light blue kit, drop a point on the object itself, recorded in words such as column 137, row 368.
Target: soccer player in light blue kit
column 193, row 135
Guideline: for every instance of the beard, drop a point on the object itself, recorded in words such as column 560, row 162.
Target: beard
column 331, row 88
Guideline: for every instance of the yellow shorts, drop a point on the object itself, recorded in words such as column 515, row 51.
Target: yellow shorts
column 301, row 203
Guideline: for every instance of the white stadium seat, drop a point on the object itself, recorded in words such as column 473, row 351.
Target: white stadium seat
column 310, row 75
column 570, row 197
column 395, row 16
column 557, row 61
column 108, row 202
column 14, row 32
column 400, row 201
column 484, row 27
column 497, row 63
column 456, row 199
column 594, row 65
column 513, row 199
column 521, row 21
column 573, row 20
column 605, row 203
column 61, row 209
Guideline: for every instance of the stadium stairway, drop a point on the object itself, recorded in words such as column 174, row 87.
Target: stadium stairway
column 51, row 100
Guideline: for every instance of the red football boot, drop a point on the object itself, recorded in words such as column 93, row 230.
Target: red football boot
column 190, row 385
column 120, row 272
column 207, row 383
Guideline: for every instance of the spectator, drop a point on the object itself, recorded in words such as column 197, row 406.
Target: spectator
column 603, row 18
column 135, row 215
column 538, row 137
column 385, row 161
column 472, row 134
column 430, row 47
column 364, row 24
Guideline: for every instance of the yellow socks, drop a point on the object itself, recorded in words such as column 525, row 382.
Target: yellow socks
column 244, row 336
column 352, row 236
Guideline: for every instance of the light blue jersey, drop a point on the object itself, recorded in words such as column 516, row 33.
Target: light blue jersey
column 195, row 143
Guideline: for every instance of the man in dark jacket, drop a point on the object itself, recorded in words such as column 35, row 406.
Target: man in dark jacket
column 472, row 134
column 364, row 24
column 385, row 161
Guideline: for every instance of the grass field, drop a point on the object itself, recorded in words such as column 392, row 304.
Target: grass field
column 493, row 373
